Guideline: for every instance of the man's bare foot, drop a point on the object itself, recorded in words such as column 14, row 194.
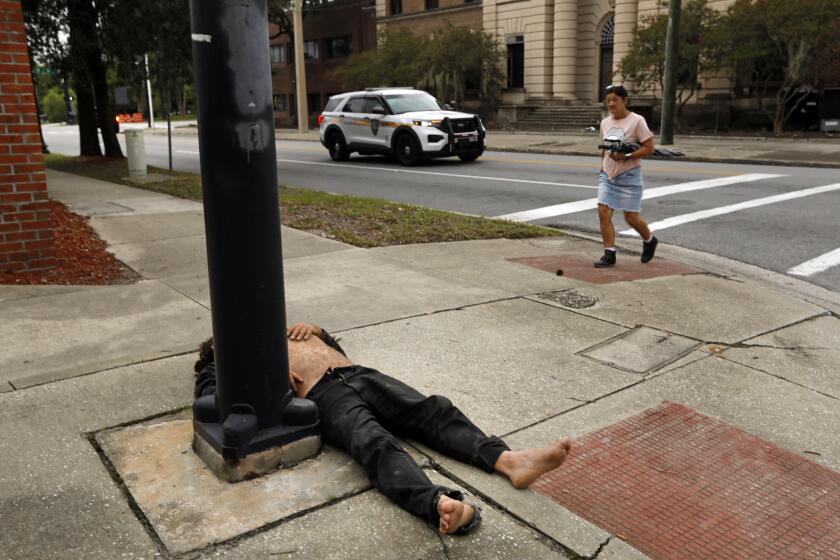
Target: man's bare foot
column 453, row 514
column 526, row 466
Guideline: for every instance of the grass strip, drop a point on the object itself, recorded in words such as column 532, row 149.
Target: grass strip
column 363, row 222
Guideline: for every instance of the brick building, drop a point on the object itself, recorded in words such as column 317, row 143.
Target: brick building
column 330, row 34
column 26, row 230
column 423, row 17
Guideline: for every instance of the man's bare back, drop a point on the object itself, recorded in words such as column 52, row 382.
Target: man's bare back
column 310, row 358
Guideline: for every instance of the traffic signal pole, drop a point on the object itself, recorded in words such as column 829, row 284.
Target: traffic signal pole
column 253, row 422
column 669, row 88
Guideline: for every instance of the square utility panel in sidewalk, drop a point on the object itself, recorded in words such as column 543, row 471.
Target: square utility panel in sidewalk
column 642, row 350
column 189, row 508
column 629, row 267
column 675, row 483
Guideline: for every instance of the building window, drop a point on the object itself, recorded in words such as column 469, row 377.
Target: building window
column 310, row 50
column 516, row 61
column 278, row 54
column 431, row 4
column 605, row 62
column 279, row 103
column 608, row 32
column 396, row 7
column 339, row 47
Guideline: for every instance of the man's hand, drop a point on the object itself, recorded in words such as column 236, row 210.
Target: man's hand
column 618, row 156
column 294, row 379
column 302, row 331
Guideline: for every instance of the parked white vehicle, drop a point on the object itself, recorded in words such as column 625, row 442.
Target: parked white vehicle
column 403, row 122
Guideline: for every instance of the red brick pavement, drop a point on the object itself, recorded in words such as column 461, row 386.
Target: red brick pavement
column 676, row 484
column 628, row 268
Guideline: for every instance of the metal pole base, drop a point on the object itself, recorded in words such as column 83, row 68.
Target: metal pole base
column 261, row 451
column 256, row 464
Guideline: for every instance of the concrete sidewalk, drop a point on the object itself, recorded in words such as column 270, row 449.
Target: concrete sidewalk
column 96, row 384
column 759, row 150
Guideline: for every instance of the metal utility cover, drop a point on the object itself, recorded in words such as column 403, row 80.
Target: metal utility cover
column 641, row 350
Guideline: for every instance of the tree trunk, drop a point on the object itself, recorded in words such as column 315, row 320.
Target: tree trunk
column 80, row 15
column 86, row 108
column 103, row 106
column 182, row 99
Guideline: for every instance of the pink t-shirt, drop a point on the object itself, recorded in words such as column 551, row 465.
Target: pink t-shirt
column 631, row 128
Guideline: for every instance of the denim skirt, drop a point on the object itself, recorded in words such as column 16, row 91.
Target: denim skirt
column 622, row 193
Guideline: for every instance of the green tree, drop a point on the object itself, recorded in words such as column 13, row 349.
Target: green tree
column 700, row 53
column 397, row 62
column 775, row 46
column 80, row 57
column 52, row 105
column 159, row 29
column 442, row 64
column 458, row 55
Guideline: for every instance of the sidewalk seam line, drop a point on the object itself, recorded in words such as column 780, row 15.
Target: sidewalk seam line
column 175, row 355
column 182, row 294
column 135, row 508
column 427, row 314
column 499, row 506
column 233, row 541
column 777, row 376
column 798, row 322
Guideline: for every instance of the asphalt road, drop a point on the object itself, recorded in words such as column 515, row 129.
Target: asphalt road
column 778, row 218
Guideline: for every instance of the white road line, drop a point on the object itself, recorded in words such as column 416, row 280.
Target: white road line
column 590, row 204
column 817, row 265
column 392, row 170
column 703, row 214
column 476, row 177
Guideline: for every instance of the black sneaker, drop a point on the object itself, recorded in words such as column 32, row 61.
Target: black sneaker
column 649, row 248
column 607, row 260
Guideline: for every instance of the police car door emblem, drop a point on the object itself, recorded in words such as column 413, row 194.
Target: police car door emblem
column 374, row 126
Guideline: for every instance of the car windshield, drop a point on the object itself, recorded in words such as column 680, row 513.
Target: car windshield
column 411, row 102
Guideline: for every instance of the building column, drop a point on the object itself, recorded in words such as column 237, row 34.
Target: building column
column 626, row 21
column 565, row 48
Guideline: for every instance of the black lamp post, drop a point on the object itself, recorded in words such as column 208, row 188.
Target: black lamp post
column 254, row 409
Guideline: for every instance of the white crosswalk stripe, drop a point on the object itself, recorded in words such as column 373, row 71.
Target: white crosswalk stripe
column 817, row 265
column 721, row 210
column 591, row 203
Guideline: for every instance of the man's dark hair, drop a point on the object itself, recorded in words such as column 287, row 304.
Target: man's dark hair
column 205, row 355
column 617, row 89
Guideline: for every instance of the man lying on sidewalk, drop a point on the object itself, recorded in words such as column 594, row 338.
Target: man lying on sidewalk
column 363, row 411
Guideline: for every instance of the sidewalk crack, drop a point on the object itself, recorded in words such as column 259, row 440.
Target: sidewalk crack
column 600, row 548
column 443, row 545
column 772, row 347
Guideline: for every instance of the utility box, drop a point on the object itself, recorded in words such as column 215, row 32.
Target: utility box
column 136, row 150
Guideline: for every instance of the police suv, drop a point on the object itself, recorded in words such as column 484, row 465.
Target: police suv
column 406, row 123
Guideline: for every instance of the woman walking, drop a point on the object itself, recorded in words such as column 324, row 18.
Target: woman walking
column 620, row 183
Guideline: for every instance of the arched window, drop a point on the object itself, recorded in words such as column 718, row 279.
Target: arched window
column 605, row 66
column 608, row 32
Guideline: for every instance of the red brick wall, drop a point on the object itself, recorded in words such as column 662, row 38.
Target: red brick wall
column 26, row 231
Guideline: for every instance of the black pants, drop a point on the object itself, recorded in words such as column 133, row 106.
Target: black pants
column 362, row 411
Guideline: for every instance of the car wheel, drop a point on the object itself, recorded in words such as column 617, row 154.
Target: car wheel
column 337, row 147
column 408, row 150
column 469, row 156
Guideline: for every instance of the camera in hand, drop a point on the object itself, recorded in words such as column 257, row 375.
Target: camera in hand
column 616, row 144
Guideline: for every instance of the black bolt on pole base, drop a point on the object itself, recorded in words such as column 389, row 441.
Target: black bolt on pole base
column 253, row 423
